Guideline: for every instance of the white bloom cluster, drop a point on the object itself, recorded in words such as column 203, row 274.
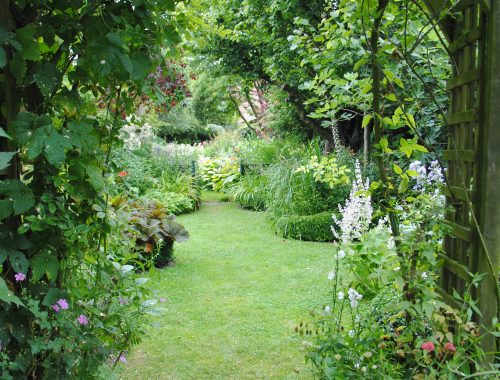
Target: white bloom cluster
column 354, row 297
column 178, row 152
column 356, row 215
column 135, row 135
column 331, row 275
column 427, row 176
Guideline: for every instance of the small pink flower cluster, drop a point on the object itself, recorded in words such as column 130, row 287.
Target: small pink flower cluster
column 61, row 304
column 20, row 277
column 429, row 347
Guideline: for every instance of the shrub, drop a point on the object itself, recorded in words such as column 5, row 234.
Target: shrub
column 310, row 227
column 219, row 174
column 175, row 203
column 155, row 231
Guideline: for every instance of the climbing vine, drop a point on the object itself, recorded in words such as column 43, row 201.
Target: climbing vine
column 62, row 295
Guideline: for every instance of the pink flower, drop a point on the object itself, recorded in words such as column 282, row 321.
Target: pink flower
column 19, row 277
column 123, row 173
column 63, row 304
column 123, row 359
column 450, row 347
column 428, row 346
column 163, row 299
column 56, row 308
column 82, row 319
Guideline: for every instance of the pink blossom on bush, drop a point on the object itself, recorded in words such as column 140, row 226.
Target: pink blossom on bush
column 82, row 319
column 56, row 308
column 123, row 359
column 19, row 277
column 63, row 304
column 428, row 346
column 450, row 347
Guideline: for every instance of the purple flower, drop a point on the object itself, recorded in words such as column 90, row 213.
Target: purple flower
column 123, row 359
column 20, row 277
column 163, row 299
column 82, row 319
column 56, row 308
column 122, row 301
column 63, row 303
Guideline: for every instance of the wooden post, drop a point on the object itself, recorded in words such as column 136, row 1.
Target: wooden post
column 489, row 184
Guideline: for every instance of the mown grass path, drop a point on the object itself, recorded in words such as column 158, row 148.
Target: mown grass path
column 233, row 300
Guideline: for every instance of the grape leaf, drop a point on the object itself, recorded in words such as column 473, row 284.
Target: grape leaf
column 19, row 195
column 7, row 296
column 3, row 58
column 17, row 67
column 44, row 263
column 47, row 78
column 5, row 158
column 19, row 262
column 26, row 37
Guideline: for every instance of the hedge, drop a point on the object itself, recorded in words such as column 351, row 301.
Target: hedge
column 309, row 227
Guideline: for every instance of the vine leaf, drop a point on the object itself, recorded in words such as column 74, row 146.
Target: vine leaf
column 47, row 77
column 44, row 263
column 7, row 296
column 19, row 262
column 17, row 67
column 5, row 158
column 3, row 58
column 19, row 195
column 51, row 143
column 30, row 48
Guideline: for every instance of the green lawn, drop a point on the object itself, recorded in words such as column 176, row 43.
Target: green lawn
column 233, row 301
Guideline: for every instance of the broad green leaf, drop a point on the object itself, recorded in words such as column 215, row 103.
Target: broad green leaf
column 391, row 97
column 19, row 194
column 18, row 67
column 397, row 169
column 95, row 175
column 19, row 262
column 47, row 78
column 366, row 120
column 3, row 58
column 5, row 208
column 115, row 39
column 7, row 296
column 30, row 49
column 82, row 135
column 44, row 263
column 4, row 134
column 23, row 127
column 5, row 158
column 412, row 173
column 49, row 141
column 54, row 294
column 142, row 66
column 3, row 255
column 420, row 148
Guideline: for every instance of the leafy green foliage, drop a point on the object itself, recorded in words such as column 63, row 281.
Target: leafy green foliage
column 317, row 227
column 57, row 62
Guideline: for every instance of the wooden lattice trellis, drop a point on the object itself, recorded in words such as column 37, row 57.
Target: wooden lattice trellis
column 472, row 28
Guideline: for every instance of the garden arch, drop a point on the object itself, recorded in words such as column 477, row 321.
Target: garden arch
column 473, row 152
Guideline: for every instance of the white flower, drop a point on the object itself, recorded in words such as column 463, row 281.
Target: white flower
column 102, row 62
column 357, row 211
column 337, row 357
column 374, row 366
column 328, row 309
column 351, row 333
column 424, row 275
column 354, row 297
column 341, row 254
column 331, row 275
column 363, row 369
column 340, row 295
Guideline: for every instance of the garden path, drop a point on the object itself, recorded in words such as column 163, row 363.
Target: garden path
column 234, row 297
